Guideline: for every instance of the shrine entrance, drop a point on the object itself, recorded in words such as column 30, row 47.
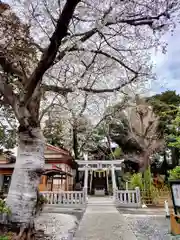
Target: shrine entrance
column 98, row 183
column 98, row 179
column 99, row 176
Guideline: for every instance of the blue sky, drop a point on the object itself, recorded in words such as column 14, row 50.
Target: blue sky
column 168, row 65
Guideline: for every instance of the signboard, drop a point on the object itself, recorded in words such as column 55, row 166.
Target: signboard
column 175, row 192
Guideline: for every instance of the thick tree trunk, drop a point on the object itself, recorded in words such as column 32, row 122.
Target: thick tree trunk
column 144, row 162
column 29, row 165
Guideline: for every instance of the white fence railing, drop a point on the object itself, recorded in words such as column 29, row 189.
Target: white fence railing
column 128, row 198
column 65, row 198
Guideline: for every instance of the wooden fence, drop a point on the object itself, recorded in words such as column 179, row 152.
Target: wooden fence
column 68, row 198
column 128, row 198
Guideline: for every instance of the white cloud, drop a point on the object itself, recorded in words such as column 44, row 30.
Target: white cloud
column 167, row 66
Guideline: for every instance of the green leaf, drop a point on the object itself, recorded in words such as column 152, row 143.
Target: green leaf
column 174, row 174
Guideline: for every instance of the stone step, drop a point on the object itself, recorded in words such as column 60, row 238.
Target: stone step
column 105, row 201
column 100, row 204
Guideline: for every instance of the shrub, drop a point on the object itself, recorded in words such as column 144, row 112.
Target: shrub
column 174, row 174
column 4, row 238
column 41, row 200
column 4, row 208
column 136, row 181
column 144, row 181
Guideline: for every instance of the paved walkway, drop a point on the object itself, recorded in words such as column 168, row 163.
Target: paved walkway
column 102, row 221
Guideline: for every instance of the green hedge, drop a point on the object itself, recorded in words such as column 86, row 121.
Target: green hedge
column 174, row 174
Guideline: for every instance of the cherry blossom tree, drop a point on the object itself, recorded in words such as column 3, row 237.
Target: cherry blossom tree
column 63, row 47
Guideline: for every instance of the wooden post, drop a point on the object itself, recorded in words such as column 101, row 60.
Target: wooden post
column 175, row 225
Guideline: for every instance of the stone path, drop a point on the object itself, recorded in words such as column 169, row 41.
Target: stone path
column 102, row 221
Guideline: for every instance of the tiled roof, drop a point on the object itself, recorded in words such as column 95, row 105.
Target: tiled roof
column 57, row 149
column 51, row 153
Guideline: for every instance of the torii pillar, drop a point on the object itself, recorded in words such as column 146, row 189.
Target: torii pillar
column 86, row 176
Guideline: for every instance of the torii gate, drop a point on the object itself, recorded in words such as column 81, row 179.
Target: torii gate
column 86, row 165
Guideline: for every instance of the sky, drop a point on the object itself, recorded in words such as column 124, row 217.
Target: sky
column 167, row 67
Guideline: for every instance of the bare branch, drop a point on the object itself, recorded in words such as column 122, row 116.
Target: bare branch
column 108, row 56
column 52, row 88
column 63, row 91
column 87, row 67
column 38, row 46
column 82, row 20
column 50, row 53
column 84, row 105
column 147, row 20
column 9, row 96
column 44, row 111
column 49, row 13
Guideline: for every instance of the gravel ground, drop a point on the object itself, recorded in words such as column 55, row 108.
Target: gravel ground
column 148, row 224
column 59, row 224
column 77, row 212
column 56, row 225
column 149, row 227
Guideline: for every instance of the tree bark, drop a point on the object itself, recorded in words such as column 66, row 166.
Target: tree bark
column 144, row 161
column 75, row 143
column 76, row 151
column 29, row 165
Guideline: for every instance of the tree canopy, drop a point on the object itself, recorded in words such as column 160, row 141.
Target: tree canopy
column 137, row 132
column 166, row 106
